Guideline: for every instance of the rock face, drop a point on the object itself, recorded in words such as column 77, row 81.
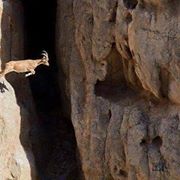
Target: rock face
column 16, row 159
column 121, row 61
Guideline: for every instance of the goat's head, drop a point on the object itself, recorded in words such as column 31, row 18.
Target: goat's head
column 45, row 58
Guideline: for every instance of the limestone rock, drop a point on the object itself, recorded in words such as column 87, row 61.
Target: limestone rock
column 14, row 162
column 16, row 110
column 125, row 111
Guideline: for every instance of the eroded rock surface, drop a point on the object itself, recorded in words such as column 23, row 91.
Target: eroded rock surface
column 124, row 78
column 14, row 161
column 16, row 108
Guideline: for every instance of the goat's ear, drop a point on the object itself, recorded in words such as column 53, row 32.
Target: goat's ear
column 43, row 59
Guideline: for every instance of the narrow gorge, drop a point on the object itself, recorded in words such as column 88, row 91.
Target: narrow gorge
column 108, row 107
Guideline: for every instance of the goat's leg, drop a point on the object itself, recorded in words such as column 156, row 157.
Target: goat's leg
column 28, row 74
column 4, row 72
column 32, row 72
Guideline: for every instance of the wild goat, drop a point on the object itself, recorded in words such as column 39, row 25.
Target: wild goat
column 22, row 66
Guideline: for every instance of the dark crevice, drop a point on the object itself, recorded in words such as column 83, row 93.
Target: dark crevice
column 120, row 172
column 128, row 51
column 143, row 142
column 157, row 141
column 109, row 114
column 53, row 139
column 130, row 4
column 129, row 18
column 164, row 79
column 123, row 173
column 114, row 14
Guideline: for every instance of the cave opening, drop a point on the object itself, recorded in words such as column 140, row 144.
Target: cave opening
column 114, row 81
column 53, row 139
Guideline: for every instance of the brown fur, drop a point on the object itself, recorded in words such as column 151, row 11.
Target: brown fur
column 22, row 66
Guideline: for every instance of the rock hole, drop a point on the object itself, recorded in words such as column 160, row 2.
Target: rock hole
column 130, row 4
column 103, row 64
column 115, row 168
column 129, row 18
column 123, row 173
column 157, row 141
column 143, row 142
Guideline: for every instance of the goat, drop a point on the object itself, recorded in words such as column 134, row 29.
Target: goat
column 23, row 66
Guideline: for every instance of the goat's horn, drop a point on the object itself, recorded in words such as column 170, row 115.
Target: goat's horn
column 44, row 53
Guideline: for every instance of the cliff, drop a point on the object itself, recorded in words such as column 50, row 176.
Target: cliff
column 122, row 63
column 16, row 105
column 111, row 96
